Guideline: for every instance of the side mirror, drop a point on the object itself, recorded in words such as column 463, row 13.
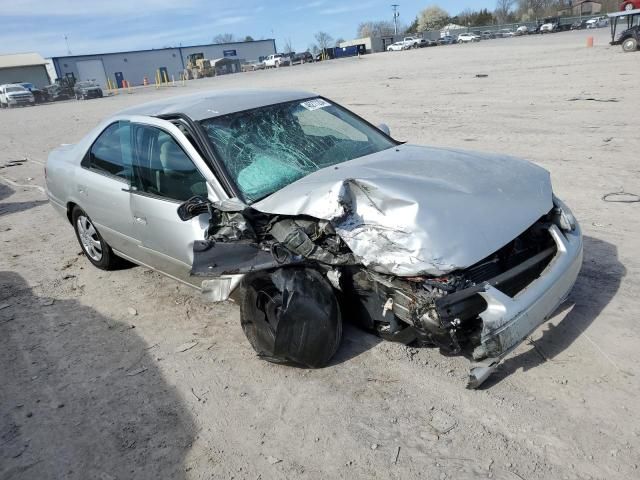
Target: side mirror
column 384, row 128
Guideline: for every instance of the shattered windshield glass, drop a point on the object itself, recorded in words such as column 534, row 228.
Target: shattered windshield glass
column 267, row 148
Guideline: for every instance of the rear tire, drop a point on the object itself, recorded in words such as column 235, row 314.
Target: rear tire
column 630, row 45
column 97, row 251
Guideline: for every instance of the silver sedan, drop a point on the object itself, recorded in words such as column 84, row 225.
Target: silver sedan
column 305, row 213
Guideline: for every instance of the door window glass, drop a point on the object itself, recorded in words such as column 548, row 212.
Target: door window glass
column 162, row 168
column 111, row 152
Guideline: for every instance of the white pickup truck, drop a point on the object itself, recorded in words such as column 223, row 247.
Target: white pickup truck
column 276, row 60
column 411, row 42
column 12, row 95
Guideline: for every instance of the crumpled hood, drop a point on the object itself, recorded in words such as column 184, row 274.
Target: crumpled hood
column 414, row 210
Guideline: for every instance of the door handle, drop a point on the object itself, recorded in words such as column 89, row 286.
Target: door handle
column 140, row 220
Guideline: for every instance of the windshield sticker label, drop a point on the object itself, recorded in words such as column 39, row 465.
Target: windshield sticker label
column 315, row 104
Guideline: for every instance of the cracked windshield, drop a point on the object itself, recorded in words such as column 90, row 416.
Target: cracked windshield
column 267, row 148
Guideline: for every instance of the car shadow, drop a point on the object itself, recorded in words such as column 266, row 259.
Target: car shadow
column 355, row 341
column 81, row 395
column 597, row 284
column 9, row 208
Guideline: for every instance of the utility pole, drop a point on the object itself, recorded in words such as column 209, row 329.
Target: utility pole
column 66, row 40
column 396, row 14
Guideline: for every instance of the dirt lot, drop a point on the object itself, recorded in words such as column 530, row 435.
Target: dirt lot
column 91, row 391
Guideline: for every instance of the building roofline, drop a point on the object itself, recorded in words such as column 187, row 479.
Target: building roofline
column 165, row 49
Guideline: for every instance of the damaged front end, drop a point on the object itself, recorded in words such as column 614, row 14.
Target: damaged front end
column 300, row 278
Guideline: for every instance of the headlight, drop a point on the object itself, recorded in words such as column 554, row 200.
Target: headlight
column 563, row 215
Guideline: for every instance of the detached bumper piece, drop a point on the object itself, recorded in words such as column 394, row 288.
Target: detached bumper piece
column 508, row 320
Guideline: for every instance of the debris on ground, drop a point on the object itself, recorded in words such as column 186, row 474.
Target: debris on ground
column 13, row 163
column 621, row 197
column 186, row 346
column 273, row 460
column 591, row 99
column 132, row 311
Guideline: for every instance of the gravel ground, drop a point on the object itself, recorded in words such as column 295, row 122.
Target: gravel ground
column 126, row 374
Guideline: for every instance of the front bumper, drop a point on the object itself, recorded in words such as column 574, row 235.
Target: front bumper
column 20, row 101
column 507, row 321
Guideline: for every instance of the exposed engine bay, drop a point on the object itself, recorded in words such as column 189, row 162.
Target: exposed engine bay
column 301, row 279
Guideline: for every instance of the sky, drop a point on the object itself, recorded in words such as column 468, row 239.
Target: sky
column 114, row 25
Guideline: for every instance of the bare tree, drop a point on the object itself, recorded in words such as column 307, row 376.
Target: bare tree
column 380, row 28
column 432, row 18
column 323, row 40
column 224, row 38
column 338, row 41
column 287, row 46
column 504, row 8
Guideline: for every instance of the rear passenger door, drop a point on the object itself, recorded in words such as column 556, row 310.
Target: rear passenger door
column 164, row 176
column 102, row 185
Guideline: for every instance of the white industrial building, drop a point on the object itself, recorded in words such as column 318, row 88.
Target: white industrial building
column 134, row 66
column 23, row 67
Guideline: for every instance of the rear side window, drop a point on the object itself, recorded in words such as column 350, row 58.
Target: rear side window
column 111, row 152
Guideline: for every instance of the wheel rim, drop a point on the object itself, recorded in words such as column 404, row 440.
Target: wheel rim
column 629, row 44
column 628, row 6
column 89, row 239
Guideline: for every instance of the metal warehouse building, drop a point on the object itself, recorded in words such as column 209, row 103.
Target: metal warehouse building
column 134, row 66
column 24, row 67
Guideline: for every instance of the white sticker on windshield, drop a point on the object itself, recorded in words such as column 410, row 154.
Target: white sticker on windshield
column 315, row 104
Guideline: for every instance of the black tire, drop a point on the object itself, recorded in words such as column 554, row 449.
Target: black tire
column 107, row 259
column 291, row 316
column 630, row 44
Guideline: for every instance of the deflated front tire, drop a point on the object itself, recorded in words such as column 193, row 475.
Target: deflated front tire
column 291, row 316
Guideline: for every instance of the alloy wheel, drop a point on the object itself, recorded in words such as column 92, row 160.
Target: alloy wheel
column 89, row 238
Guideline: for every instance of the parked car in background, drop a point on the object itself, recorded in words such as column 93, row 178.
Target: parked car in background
column 522, row 30
column 396, row 47
column 87, row 89
column 302, row 57
column 548, row 27
column 597, row 22
column 15, row 95
column 411, row 42
column 630, row 5
column 506, row 33
column 468, row 38
column 276, row 60
column 579, row 25
column 40, row 95
column 447, row 40
column 426, row 42
column 488, row 35
column 332, row 219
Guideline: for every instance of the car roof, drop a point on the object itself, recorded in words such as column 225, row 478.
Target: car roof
column 213, row 103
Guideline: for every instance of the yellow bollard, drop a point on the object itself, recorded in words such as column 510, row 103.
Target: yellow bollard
column 166, row 78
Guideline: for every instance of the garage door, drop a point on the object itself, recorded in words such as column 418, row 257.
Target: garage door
column 92, row 70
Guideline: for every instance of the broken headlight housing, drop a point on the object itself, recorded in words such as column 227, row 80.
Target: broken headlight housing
column 563, row 216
